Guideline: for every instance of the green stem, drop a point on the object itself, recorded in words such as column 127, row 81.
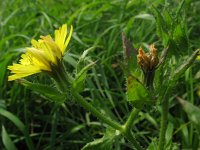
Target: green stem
column 108, row 121
column 130, row 137
column 105, row 119
column 93, row 110
column 129, row 122
column 127, row 128
column 148, row 79
column 62, row 81
column 163, row 124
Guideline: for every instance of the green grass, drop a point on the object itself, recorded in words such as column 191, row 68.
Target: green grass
column 98, row 24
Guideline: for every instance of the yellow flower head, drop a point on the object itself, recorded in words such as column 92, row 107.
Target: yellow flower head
column 42, row 55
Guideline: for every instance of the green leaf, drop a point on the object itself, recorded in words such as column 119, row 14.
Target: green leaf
column 153, row 145
column 79, row 80
column 136, row 92
column 161, row 26
column 192, row 111
column 48, row 92
column 9, row 145
column 169, row 134
column 182, row 68
column 104, row 143
column 83, row 58
column 145, row 16
column 168, row 20
column 13, row 118
column 180, row 38
column 69, row 59
column 130, row 58
column 195, row 142
column 180, row 7
column 4, row 61
column 81, row 70
column 19, row 125
column 99, row 144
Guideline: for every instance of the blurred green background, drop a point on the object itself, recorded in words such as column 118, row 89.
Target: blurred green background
column 99, row 24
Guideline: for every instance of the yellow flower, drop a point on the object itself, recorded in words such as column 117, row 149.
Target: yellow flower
column 44, row 53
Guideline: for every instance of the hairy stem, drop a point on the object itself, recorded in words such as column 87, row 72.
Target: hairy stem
column 127, row 128
column 129, row 122
column 62, row 81
column 163, row 124
column 95, row 112
column 175, row 76
column 107, row 120
column 130, row 138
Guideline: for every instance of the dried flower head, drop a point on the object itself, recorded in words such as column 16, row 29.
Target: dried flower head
column 148, row 61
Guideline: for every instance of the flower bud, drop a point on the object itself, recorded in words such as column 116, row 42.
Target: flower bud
column 148, row 62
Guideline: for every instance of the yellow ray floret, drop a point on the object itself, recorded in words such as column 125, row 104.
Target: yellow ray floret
column 43, row 53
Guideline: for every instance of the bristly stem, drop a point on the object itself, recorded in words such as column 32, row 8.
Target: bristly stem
column 92, row 109
column 163, row 124
column 105, row 119
column 129, row 122
column 165, row 103
column 127, row 128
column 148, row 79
column 63, row 82
column 130, row 138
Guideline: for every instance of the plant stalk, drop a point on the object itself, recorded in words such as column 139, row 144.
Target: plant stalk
column 129, row 122
column 93, row 110
column 63, row 82
column 131, row 139
column 163, row 124
column 127, row 128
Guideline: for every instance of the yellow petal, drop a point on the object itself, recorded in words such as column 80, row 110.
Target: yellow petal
column 53, row 48
column 68, row 38
column 38, row 57
column 60, row 37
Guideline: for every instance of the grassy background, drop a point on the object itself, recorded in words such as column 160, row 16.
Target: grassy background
column 97, row 23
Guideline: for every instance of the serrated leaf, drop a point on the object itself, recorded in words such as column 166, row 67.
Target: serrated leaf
column 160, row 22
column 180, row 38
column 99, row 144
column 136, row 92
column 168, row 20
column 104, row 143
column 192, row 111
column 182, row 68
column 179, row 8
column 9, row 145
column 48, row 92
column 130, row 58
